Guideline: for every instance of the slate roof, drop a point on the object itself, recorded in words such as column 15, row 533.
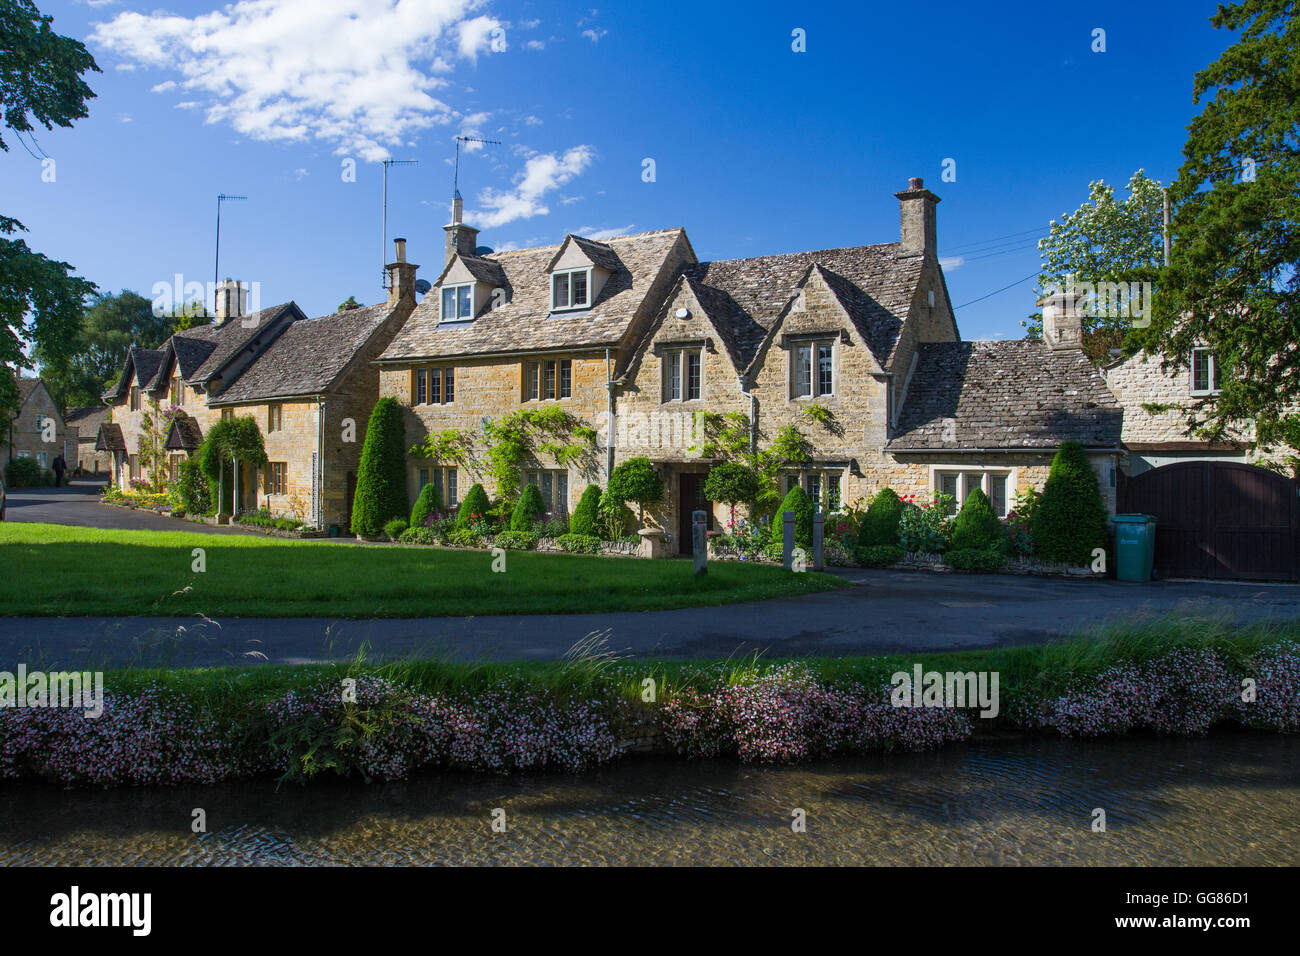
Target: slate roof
column 229, row 338
column 141, row 366
column 87, row 418
column 184, row 434
column 525, row 323
column 1019, row 394
column 109, row 438
column 873, row 284
column 307, row 356
column 25, row 388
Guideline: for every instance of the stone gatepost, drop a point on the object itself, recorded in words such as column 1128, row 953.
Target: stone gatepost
column 700, row 539
column 787, row 540
column 819, row 528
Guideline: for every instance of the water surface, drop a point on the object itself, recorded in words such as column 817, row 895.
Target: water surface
column 1232, row 798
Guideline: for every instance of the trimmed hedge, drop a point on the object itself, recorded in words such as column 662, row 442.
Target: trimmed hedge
column 427, row 502
column 976, row 527
column 979, row 560
column 27, row 473
column 576, row 543
column 1070, row 520
column 475, row 503
column 395, row 528
column 584, row 516
column 381, row 476
column 527, row 509
column 635, row 480
column 516, row 540
column 796, row 500
column 880, row 523
column 878, row 555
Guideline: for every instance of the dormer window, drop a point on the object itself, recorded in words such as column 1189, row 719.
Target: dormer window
column 570, row 289
column 457, row 302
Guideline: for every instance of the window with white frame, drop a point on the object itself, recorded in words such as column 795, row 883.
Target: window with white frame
column 457, row 302
column 548, row 379
column 812, row 369
column 570, row 290
column 1205, row 372
column 959, row 483
column 276, row 477
column 554, row 486
column 683, row 372
column 444, row 479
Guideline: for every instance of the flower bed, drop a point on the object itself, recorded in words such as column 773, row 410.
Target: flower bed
column 389, row 728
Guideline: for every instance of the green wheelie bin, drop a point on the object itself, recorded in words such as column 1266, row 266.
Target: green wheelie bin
column 1135, row 546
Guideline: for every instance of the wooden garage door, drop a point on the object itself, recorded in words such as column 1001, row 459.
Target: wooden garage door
column 1220, row 520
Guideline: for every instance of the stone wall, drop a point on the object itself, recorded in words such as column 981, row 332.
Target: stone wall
column 29, row 436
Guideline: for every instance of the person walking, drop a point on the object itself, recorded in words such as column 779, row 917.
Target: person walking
column 59, row 466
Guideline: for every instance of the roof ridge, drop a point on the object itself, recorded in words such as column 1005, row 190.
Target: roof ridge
column 791, row 255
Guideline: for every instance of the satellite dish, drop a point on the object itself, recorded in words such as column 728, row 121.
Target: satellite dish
column 483, row 251
column 423, row 286
column 683, row 313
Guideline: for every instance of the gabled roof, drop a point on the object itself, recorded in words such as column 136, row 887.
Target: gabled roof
column 601, row 254
column 873, row 284
column 109, row 438
column 525, row 323
column 230, row 337
column 1004, row 395
column 25, row 388
column 307, row 357
column 184, row 434
column 87, row 418
column 141, row 366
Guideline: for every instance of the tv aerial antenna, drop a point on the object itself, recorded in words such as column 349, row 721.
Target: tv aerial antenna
column 383, row 229
column 216, row 266
column 455, row 185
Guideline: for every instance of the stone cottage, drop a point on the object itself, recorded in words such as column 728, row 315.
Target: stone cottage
column 308, row 383
column 857, row 348
column 86, row 420
column 38, row 430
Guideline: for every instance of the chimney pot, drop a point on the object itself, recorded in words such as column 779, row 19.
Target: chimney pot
column 401, row 275
column 916, row 183
column 400, row 250
column 1062, row 321
column 917, row 232
column 228, row 301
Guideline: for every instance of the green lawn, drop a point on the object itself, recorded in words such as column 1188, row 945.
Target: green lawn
column 59, row 570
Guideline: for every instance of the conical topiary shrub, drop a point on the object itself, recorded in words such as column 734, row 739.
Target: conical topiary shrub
column 428, row 502
column 1070, row 521
column 475, row 503
column 381, row 476
column 880, row 523
column 796, row 500
column 635, row 480
column 976, row 527
column 584, row 516
column 529, row 507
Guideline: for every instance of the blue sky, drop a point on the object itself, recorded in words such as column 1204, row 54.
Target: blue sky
column 757, row 149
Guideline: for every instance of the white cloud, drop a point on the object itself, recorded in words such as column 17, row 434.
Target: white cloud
column 951, row 262
column 530, row 24
column 591, row 232
column 541, row 174
column 534, row 45
column 301, row 174
column 164, row 86
column 360, row 74
column 476, row 35
column 595, row 34
column 125, row 118
column 531, row 120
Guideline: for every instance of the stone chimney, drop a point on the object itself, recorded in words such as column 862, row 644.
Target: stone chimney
column 916, row 219
column 1062, row 321
column 229, row 301
column 461, row 238
column 401, row 275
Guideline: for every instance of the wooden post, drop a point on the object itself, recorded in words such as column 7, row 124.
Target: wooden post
column 787, row 540
column 819, row 528
column 700, row 538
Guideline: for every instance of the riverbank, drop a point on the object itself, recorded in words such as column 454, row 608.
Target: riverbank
column 390, row 720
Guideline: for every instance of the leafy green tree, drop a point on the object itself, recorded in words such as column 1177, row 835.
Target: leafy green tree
column 381, row 476
column 428, row 501
column 1070, row 520
column 880, row 523
column 584, row 519
column 635, row 480
column 527, row 509
column 227, row 440
column 796, row 500
column 350, row 303
column 976, row 527
column 732, row 483
column 109, row 327
column 40, row 82
column 1233, row 283
column 1107, row 239
column 192, row 489
column 474, row 503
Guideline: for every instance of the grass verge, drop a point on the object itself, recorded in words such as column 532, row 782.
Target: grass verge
column 67, row 571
